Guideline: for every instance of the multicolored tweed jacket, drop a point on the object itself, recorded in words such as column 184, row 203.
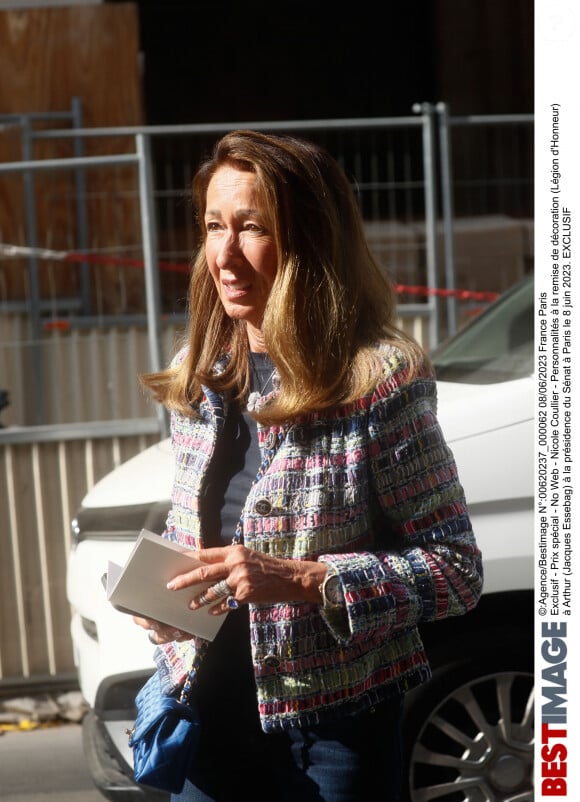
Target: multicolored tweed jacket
column 371, row 489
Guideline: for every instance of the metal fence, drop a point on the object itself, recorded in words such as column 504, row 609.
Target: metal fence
column 60, row 295
column 445, row 216
column 43, row 476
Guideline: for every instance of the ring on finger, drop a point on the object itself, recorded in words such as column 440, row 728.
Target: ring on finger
column 203, row 599
column 232, row 602
column 221, row 589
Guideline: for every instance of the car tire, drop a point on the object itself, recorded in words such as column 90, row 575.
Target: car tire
column 469, row 732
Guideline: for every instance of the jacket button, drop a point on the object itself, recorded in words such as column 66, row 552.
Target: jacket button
column 272, row 661
column 263, row 506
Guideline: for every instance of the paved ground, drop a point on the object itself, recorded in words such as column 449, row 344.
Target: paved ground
column 45, row 765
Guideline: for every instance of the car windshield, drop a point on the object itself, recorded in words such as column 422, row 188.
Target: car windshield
column 497, row 346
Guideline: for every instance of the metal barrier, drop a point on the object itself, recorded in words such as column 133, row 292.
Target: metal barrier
column 370, row 151
column 44, row 474
column 141, row 159
column 68, row 365
column 402, row 170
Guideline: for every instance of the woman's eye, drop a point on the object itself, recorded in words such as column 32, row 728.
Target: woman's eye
column 255, row 227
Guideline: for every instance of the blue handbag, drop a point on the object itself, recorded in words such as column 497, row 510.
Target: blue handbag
column 165, row 735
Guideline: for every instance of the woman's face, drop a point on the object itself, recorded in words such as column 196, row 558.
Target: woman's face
column 240, row 250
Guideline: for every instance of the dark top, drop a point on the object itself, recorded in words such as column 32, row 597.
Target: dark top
column 235, row 464
column 226, row 675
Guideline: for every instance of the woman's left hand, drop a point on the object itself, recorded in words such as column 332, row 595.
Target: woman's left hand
column 160, row 633
column 248, row 576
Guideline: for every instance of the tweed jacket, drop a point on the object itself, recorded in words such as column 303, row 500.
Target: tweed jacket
column 370, row 488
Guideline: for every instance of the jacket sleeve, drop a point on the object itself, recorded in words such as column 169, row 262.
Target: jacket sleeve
column 427, row 565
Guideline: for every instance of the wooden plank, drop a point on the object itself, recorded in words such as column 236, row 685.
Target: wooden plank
column 48, row 56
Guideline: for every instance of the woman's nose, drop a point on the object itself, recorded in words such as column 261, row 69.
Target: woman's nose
column 229, row 251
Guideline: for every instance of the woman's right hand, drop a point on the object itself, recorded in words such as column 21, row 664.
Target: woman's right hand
column 161, row 633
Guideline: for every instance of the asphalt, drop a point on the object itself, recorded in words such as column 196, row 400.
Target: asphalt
column 45, row 764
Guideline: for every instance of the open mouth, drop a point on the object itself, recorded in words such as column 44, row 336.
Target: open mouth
column 234, row 290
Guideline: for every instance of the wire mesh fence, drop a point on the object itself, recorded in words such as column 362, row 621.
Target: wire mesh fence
column 76, row 321
column 94, row 263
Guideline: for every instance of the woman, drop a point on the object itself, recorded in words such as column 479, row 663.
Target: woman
column 356, row 528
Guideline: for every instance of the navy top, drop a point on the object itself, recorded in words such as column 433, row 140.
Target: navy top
column 226, row 674
column 235, row 464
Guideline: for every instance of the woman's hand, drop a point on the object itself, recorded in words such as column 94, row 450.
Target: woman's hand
column 161, row 633
column 248, row 576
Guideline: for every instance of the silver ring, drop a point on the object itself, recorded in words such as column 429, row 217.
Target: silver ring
column 232, row 603
column 221, row 589
column 203, row 599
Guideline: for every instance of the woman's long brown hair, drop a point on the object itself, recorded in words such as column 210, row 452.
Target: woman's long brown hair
column 330, row 303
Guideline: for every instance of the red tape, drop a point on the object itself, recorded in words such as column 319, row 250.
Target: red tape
column 400, row 289
column 461, row 295
column 181, row 267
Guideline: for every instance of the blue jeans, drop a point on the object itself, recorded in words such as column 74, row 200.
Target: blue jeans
column 357, row 759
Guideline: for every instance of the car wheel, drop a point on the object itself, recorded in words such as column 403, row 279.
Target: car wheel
column 469, row 734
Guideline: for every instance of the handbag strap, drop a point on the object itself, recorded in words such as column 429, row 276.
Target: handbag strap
column 190, row 679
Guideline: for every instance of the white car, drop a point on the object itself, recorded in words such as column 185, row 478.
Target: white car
column 469, row 732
